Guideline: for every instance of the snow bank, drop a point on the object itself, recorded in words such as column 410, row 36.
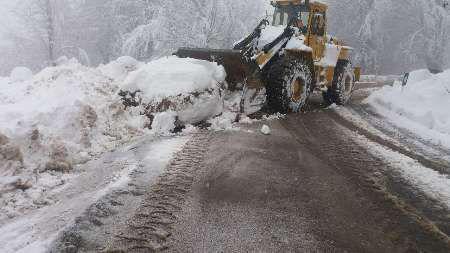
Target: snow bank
column 422, row 106
column 53, row 121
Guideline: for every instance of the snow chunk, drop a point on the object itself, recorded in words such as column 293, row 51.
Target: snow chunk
column 266, row 130
column 223, row 122
column 164, row 123
column 172, row 76
column 20, row 74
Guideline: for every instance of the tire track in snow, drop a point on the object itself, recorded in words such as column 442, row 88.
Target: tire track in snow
column 151, row 225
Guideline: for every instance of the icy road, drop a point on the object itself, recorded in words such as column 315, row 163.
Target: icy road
column 329, row 180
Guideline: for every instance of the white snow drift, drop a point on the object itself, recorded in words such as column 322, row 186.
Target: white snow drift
column 65, row 115
column 422, row 106
column 53, row 121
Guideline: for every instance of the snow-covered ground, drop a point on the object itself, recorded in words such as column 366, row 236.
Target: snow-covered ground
column 422, row 106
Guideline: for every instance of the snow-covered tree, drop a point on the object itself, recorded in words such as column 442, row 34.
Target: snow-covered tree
column 199, row 23
column 393, row 36
column 389, row 36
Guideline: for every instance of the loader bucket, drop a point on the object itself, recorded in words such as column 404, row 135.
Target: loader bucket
column 238, row 71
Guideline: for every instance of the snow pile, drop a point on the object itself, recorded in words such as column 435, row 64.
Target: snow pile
column 172, row 76
column 421, row 106
column 50, row 123
column 189, row 87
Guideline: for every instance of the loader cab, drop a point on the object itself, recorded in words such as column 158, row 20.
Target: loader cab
column 313, row 16
column 285, row 12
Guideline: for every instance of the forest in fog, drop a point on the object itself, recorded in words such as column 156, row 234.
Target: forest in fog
column 389, row 36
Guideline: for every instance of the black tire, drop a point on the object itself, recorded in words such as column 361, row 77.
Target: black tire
column 343, row 84
column 288, row 84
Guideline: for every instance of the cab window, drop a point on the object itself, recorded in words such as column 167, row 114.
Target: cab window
column 280, row 18
column 318, row 24
column 276, row 18
column 303, row 21
column 305, row 17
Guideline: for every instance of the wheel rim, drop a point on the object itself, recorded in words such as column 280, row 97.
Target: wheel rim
column 298, row 88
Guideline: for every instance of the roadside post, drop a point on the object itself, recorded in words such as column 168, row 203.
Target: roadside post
column 405, row 80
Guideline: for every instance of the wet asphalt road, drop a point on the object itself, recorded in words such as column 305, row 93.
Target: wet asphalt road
column 277, row 194
column 307, row 187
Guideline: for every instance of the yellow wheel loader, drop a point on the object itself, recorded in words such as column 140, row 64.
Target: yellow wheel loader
column 289, row 57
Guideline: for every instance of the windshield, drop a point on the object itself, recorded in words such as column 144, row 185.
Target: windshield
column 282, row 16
